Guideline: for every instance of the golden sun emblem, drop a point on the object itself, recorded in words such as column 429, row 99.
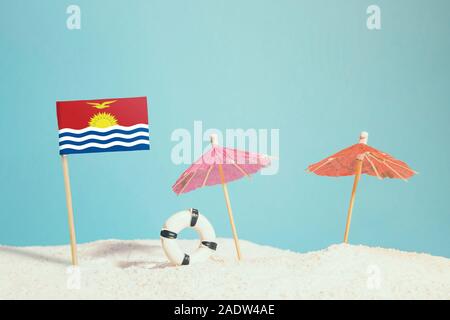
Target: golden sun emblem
column 103, row 120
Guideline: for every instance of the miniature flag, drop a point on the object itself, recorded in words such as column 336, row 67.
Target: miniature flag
column 104, row 125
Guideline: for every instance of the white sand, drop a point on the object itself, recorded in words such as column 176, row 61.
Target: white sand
column 116, row 269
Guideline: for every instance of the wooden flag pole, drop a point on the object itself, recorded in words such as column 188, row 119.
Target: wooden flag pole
column 230, row 212
column 358, row 169
column 73, row 241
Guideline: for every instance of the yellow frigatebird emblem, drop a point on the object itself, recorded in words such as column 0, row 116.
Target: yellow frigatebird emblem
column 102, row 105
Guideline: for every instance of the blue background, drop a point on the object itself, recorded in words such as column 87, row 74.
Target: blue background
column 310, row 68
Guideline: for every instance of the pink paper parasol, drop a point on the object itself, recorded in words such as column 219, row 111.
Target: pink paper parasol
column 220, row 165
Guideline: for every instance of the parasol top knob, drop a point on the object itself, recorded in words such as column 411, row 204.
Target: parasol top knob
column 214, row 139
column 363, row 137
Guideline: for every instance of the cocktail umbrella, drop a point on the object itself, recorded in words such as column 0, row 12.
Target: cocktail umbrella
column 357, row 159
column 220, row 165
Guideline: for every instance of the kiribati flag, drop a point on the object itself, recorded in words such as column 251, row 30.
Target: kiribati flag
column 103, row 125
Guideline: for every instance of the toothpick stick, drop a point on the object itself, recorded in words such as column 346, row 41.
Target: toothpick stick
column 230, row 212
column 352, row 199
column 73, row 241
column 358, row 169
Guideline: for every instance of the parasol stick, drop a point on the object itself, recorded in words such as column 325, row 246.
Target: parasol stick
column 352, row 199
column 358, row 169
column 214, row 142
column 73, row 241
column 230, row 212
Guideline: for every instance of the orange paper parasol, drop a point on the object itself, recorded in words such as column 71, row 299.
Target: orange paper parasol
column 356, row 160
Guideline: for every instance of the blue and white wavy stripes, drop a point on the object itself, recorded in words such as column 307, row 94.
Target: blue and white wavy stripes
column 115, row 138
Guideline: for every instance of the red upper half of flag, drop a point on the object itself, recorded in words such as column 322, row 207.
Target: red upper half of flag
column 77, row 114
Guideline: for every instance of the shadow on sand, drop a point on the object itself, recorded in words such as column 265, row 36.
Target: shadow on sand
column 26, row 253
column 133, row 252
column 144, row 264
column 102, row 250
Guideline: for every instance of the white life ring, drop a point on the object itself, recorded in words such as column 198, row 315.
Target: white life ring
column 185, row 219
